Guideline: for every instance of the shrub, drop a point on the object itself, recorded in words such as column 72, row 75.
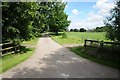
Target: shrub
column 64, row 35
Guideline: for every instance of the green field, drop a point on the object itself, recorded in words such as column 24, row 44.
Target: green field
column 102, row 56
column 78, row 37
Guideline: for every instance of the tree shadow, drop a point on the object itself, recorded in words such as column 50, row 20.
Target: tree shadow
column 56, row 34
column 24, row 49
column 63, row 63
column 104, row 56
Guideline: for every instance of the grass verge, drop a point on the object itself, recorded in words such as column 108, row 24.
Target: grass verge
column 99, row 56
column 10, row 60
column 31, row 42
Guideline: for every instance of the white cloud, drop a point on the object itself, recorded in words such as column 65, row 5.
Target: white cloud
column 85, row 24
column 75, row 11
column 104, row 7
column 94, row 19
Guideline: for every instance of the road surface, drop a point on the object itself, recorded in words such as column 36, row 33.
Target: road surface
column 51, row 60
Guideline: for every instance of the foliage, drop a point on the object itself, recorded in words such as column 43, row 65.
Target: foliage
column 64, row 35
column 17, row 20
column 78, row 30
column 58, row 18
column 101, row 29
column 113, row 23
column 25, row 20
column 82, row 30
column 71, row 30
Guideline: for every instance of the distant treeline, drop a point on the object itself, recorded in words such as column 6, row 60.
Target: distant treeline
column 97, row 29
column 78, row 30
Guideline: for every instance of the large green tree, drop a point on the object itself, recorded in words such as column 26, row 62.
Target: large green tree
column 57, row 20
column 17, row 20
column 24, row 20
column 113, row 23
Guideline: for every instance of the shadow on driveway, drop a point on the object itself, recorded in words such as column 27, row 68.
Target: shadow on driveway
column 65, row 64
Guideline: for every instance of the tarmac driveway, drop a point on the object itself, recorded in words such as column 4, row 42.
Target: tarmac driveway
column 51, row 60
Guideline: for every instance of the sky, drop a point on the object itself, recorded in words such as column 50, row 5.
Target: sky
column 88, row 14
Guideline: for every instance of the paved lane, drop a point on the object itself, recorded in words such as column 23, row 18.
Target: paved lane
column 54, row 61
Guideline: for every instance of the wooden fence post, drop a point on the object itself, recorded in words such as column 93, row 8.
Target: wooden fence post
column 85, row 43
column 101, row 44
column 91, row 42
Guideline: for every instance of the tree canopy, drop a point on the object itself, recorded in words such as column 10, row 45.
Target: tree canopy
column 58, row 18
column 113, row 23
column 101, row 29
column 78, row 30
column 82, row 30
column 24, row 20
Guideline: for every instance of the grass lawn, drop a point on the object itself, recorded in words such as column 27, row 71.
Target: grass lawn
column 31, row 42
column 10, row 60
column 78, row 37
column 104, row 57
column 94, row 54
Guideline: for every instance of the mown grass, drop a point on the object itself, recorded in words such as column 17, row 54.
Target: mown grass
column 10, row 60
column 97, row 55
column 31, row 42
column 103, row 56
column 78, row 37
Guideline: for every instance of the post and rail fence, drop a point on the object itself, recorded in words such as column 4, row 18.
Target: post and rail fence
column 99, row 44
column 9, row 47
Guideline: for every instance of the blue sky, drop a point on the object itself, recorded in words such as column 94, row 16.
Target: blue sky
column 88, row 14
column 82, row 7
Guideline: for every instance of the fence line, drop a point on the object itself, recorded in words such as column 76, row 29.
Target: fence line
column 100, row 43
column 9, row 47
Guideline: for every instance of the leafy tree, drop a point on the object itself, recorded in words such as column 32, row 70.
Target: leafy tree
column 113, row 23
column 17, row 19
column 24, row 20
column 76, row 30
column 58, row 18
column 101, row 29
column 82, row 30
column 44, row 11
column 71, row 30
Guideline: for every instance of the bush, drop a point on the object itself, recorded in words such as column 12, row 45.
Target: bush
column 64, row 35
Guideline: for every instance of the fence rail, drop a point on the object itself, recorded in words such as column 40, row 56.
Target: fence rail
column 9, row 47
column 99, row 44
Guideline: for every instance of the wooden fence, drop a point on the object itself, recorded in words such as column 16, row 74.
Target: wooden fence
column 99, row 44
column 9, row 47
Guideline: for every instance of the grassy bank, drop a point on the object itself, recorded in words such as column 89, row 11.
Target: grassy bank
column 10, row 60
column 104, row 57
column 31, row 42
column 78, row 37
